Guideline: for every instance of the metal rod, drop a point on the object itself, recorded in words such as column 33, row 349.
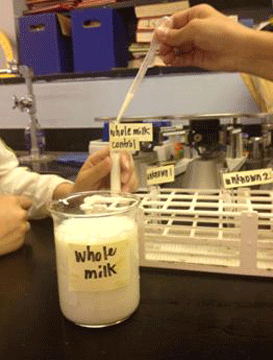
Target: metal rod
column 262, row 116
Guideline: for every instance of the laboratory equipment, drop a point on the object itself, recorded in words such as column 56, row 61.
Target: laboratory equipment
column 115, row 171
column 96, row 237
column 28, row 104
column 208, row 145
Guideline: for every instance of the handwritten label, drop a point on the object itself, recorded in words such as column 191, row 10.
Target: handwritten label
column 247, row 178
column 98, row 267
column 124, row 144
column 160, row 174
column 128, row 136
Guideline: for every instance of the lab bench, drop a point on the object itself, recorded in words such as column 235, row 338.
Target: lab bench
column 182, row 315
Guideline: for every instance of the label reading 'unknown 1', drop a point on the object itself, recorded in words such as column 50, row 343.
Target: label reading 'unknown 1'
column 160, row 174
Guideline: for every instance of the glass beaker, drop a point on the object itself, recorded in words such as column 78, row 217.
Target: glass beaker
column 96, row 238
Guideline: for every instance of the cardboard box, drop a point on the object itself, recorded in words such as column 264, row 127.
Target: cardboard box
column 100, row 39
column 45, row 43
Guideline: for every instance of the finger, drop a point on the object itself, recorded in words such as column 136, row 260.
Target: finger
column 200, row 11
column 25, row 202
column 27, row 226
column 178, row 38
column 194, row 58
column 11, row 245
column 131, row 185
column 173, row 57
column 177, row 21
column 101, row 169
column 165, row 49
column 126, row 160
column 187, row 47
column 184, row 59
column 127, row 166
column 181, row 18
column 97, row 157
column 93, row 175
column 168, row 58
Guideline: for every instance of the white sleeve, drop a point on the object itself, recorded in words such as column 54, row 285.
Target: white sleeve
column 17, row 180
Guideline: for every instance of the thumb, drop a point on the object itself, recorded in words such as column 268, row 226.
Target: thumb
column 92, row 175
column 24, row 202
column 167, row 36
column 176, row 37
column 100, row 170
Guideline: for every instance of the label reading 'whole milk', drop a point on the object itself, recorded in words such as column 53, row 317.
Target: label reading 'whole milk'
column 100, row 267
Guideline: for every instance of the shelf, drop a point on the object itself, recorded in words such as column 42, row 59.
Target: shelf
column 259, row 10
column 115, row 73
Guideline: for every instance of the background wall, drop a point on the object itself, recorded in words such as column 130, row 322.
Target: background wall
column 75, row 103
column 10, row 11
column 67, row 106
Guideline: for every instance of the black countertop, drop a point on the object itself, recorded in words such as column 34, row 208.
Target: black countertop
column 182, row 315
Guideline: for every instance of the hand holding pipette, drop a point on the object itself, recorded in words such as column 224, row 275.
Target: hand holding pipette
column 166, row 22
column 115, row 173
column 95, row 174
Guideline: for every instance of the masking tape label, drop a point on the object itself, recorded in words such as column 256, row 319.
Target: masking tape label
column 98, row 267
column 247, row 178
column 160, row 174
column 128, row 136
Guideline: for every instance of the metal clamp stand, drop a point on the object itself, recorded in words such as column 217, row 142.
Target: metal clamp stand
column 28, row 104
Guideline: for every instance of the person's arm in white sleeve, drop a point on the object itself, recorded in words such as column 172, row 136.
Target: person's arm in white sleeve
column 25, row 194
column 41, row 189
column 16, row 180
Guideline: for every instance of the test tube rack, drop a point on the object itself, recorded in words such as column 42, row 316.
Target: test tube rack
column 220, row 231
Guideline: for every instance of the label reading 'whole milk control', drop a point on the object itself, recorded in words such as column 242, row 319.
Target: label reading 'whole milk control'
column 128, row 136
column 100, row 267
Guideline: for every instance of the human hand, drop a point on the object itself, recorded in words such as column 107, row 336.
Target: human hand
column 13, row 222
column 203, row 37
column 95, row 173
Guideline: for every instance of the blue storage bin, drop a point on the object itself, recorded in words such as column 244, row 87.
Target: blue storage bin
column 100, row 39
column 42, row 45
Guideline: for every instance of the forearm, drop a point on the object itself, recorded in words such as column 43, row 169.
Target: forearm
column 39, row 188
column 257, row 55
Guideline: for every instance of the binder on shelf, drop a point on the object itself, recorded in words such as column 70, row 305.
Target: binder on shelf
column 43, row 44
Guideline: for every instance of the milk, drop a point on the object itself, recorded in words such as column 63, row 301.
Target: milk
column 97, row 268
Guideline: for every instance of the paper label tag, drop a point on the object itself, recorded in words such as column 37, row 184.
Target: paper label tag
column 102, row 267
column 128, row 136
column 159, row 174
column 247, row 178
column 124, row 144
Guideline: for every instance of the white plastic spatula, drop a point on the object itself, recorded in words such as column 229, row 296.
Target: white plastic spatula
column 115, row 180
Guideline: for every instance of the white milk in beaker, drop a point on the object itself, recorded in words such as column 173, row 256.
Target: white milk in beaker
column 97, row 268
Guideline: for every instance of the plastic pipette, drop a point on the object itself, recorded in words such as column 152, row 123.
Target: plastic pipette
column 115, row 173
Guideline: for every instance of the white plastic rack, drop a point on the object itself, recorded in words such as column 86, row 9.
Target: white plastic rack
column 223, row 231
